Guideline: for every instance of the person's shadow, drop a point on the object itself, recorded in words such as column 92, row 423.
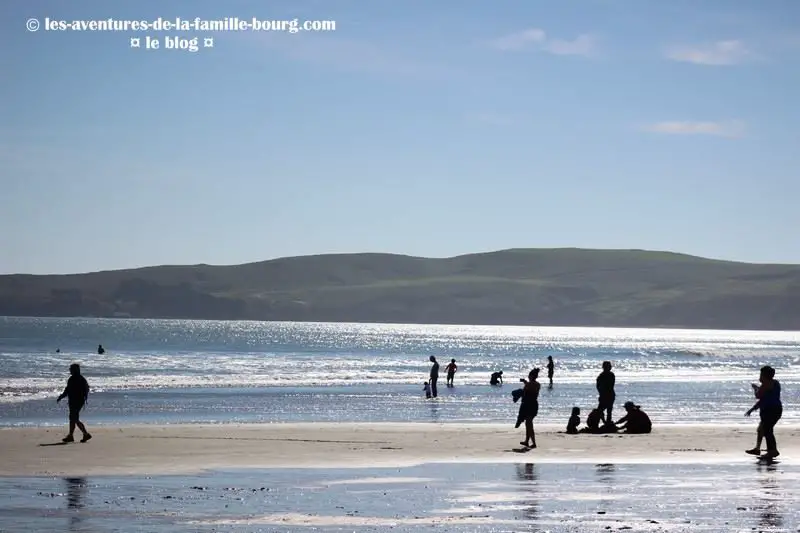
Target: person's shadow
column 59, row 443
column 76, row 496
column 770, row 513
column 529, row 478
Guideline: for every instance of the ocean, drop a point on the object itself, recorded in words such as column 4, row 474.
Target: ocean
column 194, row 371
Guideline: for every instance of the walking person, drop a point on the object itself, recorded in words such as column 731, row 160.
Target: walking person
column 529, row 407
column 77, row 392
column 605, row 389
column 770, row 409
column 434, row 376
column 551, row 367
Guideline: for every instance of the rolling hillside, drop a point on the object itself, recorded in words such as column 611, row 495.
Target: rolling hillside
column 566, row 287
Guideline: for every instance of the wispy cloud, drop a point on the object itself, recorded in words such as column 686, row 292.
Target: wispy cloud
column 729, row 128
column 720, row 53
column 537, row 39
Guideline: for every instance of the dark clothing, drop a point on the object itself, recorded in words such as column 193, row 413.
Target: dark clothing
column 572, row 424
column 516, row 394
column 605, row 384
column 529, row 407
column 605, row 388
column 550, row 369
column 434, row 378
column 770, row 417
column 637, row 422
column 771, row 398
column 594, row 419
column 74, row 412
column 77, row 391
column 495, row 379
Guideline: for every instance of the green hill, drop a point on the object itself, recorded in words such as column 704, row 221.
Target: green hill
column 558, row 287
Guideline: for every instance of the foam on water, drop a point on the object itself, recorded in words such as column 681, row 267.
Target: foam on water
column 673, row 371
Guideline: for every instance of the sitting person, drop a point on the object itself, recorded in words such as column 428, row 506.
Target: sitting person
column 574, row 421
column 496, row 378
column 636, row 421
column 594, row 420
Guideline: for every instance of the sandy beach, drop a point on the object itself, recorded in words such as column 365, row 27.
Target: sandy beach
column 152, row 450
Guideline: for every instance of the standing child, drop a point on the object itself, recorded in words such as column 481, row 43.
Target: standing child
column 451, row 372
column 427, row 389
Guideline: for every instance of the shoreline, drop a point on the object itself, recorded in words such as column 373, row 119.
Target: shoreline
column 196, row 448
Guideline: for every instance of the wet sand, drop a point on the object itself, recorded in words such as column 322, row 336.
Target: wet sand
column 151, row 450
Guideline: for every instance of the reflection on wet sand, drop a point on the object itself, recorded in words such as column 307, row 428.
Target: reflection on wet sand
column 770, row 512
column 76, row 500
column 529, row 478
column 605, row 475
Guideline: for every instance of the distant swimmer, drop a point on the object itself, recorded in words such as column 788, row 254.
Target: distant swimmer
column 496, row 379
column 77, row 392
column 100, row 349
column 551, row 366
column 58, row 350
column 451, row 368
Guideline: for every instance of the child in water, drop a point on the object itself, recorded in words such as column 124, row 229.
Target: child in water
column 427, row 389
column 574, row 421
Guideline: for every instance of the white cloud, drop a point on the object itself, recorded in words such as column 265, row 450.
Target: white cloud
column 535, row 38
column 719, row 53
column 730, row 128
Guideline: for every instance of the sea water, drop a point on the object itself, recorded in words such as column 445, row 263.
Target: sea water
column 193, row 371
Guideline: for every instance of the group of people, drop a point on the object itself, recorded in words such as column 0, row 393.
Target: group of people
column 635, row 421
column 599, row 419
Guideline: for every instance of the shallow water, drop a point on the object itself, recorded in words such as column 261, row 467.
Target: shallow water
column 205, row 371
column 452, row 497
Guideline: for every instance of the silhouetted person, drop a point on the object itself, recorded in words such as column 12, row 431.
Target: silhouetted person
column 496, row 378
column 636, row 421
column 551, row 367
column 770, row 409
column 574, row 421
column 77, row 392
column 58, row 350
column 451, row 368
column 594, row 421
column 605, row 390
column 427, row 388
column 434, row 375
column 529, row 407
column 100, row 349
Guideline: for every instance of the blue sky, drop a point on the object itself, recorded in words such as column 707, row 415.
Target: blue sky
column 430, row 128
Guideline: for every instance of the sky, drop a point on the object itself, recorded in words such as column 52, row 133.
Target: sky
column 429, row 128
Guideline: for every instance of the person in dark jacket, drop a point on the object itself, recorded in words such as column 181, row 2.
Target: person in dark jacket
column 605, row 389
column 529, row 407
column 635, row 421
column 76, row 392
column 769, row 405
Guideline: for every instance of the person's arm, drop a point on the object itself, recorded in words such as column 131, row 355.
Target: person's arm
column 612, row 381
column 597, row 384
column 754, row 408
column 63, row 394
column 501, row 379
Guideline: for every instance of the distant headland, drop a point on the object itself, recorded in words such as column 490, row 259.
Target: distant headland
column 542, row 287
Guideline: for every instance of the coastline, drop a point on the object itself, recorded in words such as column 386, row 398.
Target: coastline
column 193, row 448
